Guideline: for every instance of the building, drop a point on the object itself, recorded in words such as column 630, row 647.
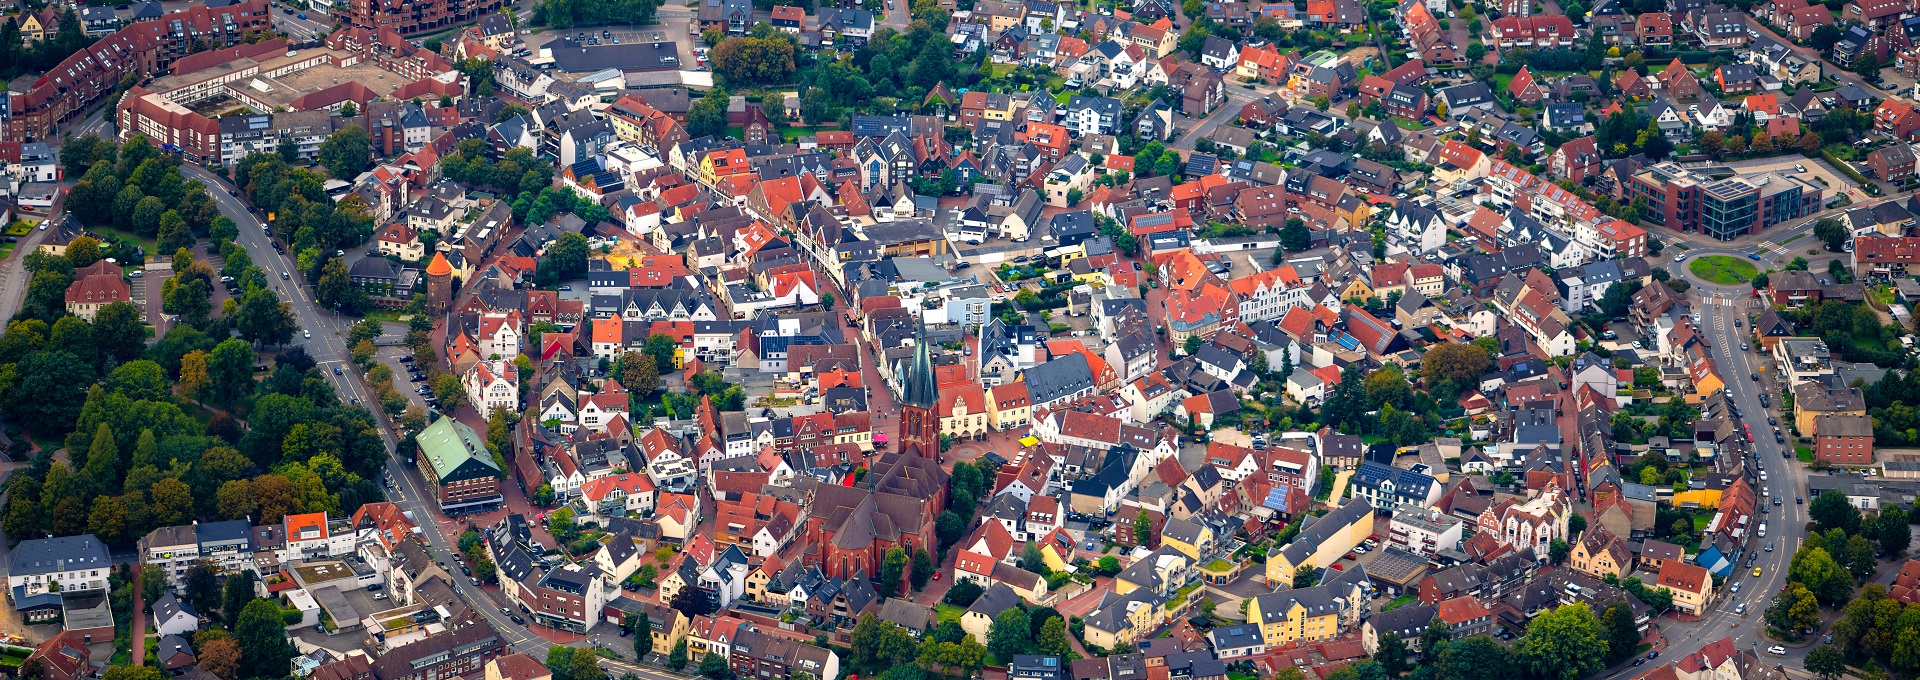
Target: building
column 1297, row 614
column 758, row 655
column 1602, row 554
column 1322, row 541
column 411, row 17
column 1692, row 586
column 75, row 563
column 455, row 461
column 95, row 287
column 1843, row 439
column 1423, row 530
column 492, row 385
column 1723, row 208
column 1893, row 163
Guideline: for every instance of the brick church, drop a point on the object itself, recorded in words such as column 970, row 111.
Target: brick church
column 852, row 527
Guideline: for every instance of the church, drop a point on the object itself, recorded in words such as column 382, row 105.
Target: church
column 852, row 527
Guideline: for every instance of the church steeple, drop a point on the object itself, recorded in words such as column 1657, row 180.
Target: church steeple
column 919, row 396
column 921, row 389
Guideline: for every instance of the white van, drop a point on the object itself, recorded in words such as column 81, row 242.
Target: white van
column 1763, row 529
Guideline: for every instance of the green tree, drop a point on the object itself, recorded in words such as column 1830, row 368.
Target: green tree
column 1142, row 528
column 1826, row 663
column 879, row 644
column 1567, row 643
column 1391, row 654
column 676, row 659
column 923, row 568
column 568, row 256
column 1831, row 510
column 1009, row 633
column 1295, row 236
column 262, row 635
column 642, row 628
column 1893, row 531
column 892, row 567
column 119, row 333
column 347, row 152
column 708, row 116
column 1306, row 576
column 1833, row 233
column 1623, row 635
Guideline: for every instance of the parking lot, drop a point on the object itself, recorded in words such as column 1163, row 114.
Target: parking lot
column 400, row 360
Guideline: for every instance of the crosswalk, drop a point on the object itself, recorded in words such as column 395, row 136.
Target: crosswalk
column 1775, row 247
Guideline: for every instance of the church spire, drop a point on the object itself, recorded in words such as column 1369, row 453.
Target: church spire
column 920, row 388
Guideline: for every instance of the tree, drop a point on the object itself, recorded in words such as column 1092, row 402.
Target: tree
column 891, row 568
column 676, row 659
column 119, row 333
column 879, row 644
column 1557, row 551
column 1192, row 344
column 239, row 591
column 923, row 568
column 1825, row 662
column 1009, row 633
column 568, row 256
column 1295, row 237
column 560, row 662
column 262, row 636
column 1305, row 577
column 336, row 289
column 347, row 152
column 962, row 594
column 220, row 657
column 1794, row 608
column 642, row 628
column 173, row 232
column 1459, row 362
column 1391, row 654
column 1567, row 643
column 1894, row 532
column 638, row 373
column 1867, row 65
column 1623, row 635
column 708, row 116
column 714, row 667
column 1831, row 510
column 1142, row 528
column 1833, row 233
column 264, row 318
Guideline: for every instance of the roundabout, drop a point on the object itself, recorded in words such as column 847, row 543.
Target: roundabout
column 1725, row 270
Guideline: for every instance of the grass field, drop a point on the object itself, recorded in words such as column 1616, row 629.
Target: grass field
column 1723, row 269
column 1804, row 453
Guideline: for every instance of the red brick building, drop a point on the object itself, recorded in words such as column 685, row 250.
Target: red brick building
column 1843, row 439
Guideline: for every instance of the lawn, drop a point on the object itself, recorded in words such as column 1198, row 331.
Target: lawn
column 20, row 228
column 1804, row 453
column 1723, row 269
column 388, row 315
column 998, row 71
column 1063, row 97
column 949, row 612
column 1403, row 599
column 1405, row 124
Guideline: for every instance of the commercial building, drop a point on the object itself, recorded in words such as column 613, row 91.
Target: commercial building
column 456, row 462
column 1724, row 208
column 413, row 16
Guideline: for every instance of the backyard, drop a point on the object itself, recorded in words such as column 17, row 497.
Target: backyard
column 1724, row 269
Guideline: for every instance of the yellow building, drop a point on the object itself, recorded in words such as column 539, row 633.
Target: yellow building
column 1008, row 406
column 1705, row 499
column 1323, row 541
column 1123, row 619
column 1356, row 290
column 1190, row 538
column 1602, row 554
column 1812, row 400
column 1310, row 614
column 669, row 627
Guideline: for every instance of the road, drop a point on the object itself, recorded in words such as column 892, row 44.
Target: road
column 1720, row 307
column 13, row 274
column 328, row 347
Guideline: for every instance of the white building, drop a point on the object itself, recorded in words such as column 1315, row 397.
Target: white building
column 492, row 385
column 76, row 563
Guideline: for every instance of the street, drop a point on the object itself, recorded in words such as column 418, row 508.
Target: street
column 328, row 347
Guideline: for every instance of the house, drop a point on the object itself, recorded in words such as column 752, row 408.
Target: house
column 64, row 656
column 1692, row 586
column 1220, row 53
column 1893, row 163
column 173, row 616
column 1602, row 554
column 1322, row 541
